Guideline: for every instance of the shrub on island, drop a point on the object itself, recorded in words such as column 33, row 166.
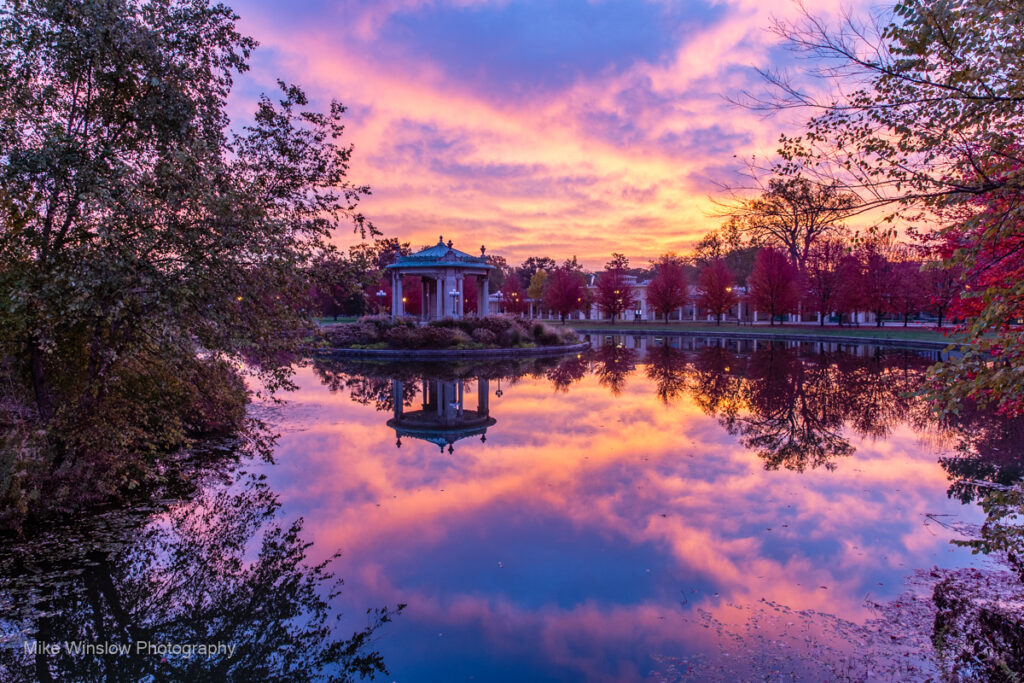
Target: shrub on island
column 493, row 332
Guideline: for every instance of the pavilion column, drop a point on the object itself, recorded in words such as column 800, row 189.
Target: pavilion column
column 399, row 305
column 394, row 294
column 483, row 307
column 482, row 396
column 438, row 298
column 425, row 299
column 449, row 406
column 755, row 315
column 695, row 313
column 449, row 305
column 460, row 304
column 396, row 397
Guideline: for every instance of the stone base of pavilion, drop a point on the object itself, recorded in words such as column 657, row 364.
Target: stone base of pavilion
column 431, row 355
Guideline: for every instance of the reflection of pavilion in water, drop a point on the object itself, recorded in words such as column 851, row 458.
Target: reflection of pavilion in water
column 443, row 418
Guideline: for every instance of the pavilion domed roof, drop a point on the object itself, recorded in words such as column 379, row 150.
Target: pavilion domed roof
column 443, row 255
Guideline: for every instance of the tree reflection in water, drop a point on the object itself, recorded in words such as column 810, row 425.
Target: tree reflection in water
column 363, row 389
column 794, row 406
column 612, row 364
column 799, row 407
column 716, row 381
column 668, row 369
column 218, row 568
column 795, row 411
column 568, row 372
column 989, row 449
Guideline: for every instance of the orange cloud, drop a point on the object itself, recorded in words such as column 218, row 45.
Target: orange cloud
column 615, row 159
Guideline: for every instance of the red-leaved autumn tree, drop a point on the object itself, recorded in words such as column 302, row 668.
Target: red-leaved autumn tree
column 909, row 294
column 984, row 242
column 943, row 283
column 823, row 286
column 715, row 292
column 470, row 294
column 850, row 297
column 772, row 285
column 564, row 291
column 513, row 297
column 878, row 279
column 615, row 293
column 667, row 290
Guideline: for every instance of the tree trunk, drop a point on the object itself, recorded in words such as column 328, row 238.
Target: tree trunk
column 40, row 384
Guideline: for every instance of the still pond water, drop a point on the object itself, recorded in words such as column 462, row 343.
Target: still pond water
column 652, row 509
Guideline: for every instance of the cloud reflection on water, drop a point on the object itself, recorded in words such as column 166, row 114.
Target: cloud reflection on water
column 603, row 511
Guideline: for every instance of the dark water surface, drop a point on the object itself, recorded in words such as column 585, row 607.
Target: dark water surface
column 650, row 509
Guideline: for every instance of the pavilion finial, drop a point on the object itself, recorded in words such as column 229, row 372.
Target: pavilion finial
column 449, row 244
column 440, row 239
column 483, row 250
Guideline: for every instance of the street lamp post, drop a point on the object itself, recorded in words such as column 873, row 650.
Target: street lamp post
column 454, row 294
column 380, row 300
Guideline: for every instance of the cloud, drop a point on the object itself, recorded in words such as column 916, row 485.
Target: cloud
column 530, row 122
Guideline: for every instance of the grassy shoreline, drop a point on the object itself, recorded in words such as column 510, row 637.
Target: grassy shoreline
column 790, row 329
column 928, row 334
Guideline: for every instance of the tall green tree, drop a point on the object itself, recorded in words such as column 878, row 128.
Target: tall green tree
column 528, row 268
column 141, row 238
column 736, row 246
column 794, row 214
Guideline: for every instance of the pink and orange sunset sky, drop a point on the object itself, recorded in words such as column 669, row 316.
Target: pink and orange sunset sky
column 536, row 127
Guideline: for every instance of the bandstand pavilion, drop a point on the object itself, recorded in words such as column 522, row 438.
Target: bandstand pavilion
column 443, row 271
